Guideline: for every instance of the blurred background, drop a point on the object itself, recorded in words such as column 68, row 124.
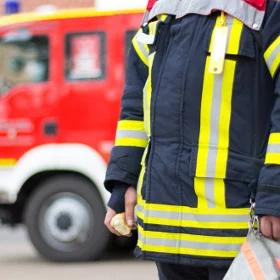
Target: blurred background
column 62, row 71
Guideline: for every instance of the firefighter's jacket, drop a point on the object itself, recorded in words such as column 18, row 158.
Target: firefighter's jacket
column 198, row 136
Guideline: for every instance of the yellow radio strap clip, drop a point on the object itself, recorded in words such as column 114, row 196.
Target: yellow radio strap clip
column 219, row 45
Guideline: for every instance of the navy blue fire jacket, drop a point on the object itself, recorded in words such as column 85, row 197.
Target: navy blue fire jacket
column 199, row 129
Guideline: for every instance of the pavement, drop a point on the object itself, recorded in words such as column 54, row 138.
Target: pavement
column 20, row 261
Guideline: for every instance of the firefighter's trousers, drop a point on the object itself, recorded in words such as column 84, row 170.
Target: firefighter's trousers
column 167, row 271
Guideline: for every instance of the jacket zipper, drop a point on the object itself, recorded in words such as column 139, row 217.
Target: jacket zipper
column 166, row 52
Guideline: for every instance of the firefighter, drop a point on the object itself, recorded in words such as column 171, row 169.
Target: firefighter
column 199, row 133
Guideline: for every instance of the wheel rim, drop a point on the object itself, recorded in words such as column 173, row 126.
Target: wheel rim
column 65, row 221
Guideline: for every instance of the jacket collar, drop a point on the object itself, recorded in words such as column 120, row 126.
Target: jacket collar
column 250, row 15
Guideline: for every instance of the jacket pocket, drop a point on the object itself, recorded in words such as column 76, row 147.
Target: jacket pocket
column 238, row 167
column 231, row 185
column 244, row 44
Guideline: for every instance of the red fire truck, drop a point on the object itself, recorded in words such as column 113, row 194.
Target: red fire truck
column 61, row 79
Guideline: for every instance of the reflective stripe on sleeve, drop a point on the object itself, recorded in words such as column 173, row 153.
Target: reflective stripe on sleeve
column 274, row 138
column 273, row 149
column 188, row 244
column 131, row 133
column 272, row 56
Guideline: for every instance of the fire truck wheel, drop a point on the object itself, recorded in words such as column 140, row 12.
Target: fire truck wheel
column 64, row 218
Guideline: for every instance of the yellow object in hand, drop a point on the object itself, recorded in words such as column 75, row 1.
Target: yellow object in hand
column 120, row 225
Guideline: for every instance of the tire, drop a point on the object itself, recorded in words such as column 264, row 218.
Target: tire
column 64, row 218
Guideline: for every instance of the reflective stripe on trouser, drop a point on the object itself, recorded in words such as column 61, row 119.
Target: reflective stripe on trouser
column 272, row 56
column 215, row 124
column 131, row 133
column 254, row 262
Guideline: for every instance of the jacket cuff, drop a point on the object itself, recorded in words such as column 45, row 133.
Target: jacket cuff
column 123, row 177
column 117, row 199
column 268, row 201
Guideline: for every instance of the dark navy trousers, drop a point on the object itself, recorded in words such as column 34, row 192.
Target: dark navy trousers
column 167, row 271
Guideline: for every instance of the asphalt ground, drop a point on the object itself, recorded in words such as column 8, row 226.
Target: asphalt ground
column 20, row 261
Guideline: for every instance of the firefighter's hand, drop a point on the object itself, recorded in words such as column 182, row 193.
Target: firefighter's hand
column 270, row 227
column 130, row 203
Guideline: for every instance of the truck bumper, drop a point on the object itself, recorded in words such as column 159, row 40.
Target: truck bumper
column 4, row 198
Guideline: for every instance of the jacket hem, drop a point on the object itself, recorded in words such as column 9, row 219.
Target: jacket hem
column 183, row 259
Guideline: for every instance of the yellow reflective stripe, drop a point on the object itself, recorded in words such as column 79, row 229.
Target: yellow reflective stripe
column 191, row 237
column 272, row 56
column 185, row 251
column 131, row 142
column 224, row 129
column 192, row 224
column 199, row 187
column 224, row 120
column 141, row 49
column 272, row 154
column 275, row 65
column 235, row 36
column 140, row 181
column 194, row 220
column 162, row 17
column 186, row 209
column 147, row 96
column 225, row 114
column 216, row 221
column 131, row 133
column 216, row 105
column 274, row 138
column 205, row 127
column 205, row 120
column 271, row 48
column 7, row 162
column 130, row 125
column 153, row 27
column 219, row 193
column 272, row 158
column 188, row 243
